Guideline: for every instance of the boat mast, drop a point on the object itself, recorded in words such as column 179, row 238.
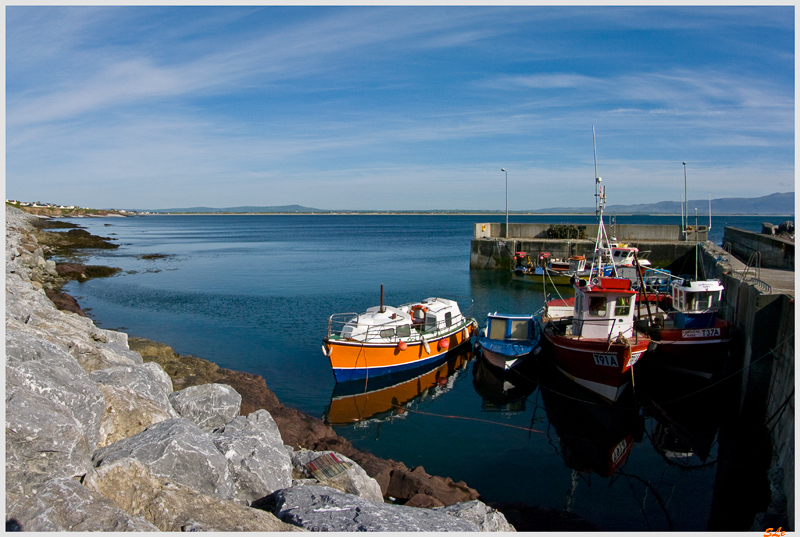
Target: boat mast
column 601, row 244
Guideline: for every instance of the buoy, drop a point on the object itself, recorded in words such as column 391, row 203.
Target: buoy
column 325, row 350
column 402, row 345
column 444, row 343
column 426, row 346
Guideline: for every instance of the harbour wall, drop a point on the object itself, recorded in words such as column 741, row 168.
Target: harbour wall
column 493, row 244
column 764, row 352
column 775, row 252
column 620, row 232
column 498, row 254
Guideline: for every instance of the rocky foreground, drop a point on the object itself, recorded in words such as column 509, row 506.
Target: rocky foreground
column 97, row 439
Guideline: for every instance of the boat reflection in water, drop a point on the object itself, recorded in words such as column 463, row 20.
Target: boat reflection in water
column 595, row 436
column 686, row 413
column 503, row 391
column 389, row 396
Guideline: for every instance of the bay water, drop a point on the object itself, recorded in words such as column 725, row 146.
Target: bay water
column 254, row 293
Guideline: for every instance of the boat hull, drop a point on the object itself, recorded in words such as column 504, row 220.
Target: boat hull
column 352, row 360
column 694, row 351
column 505, row 361
column 595, row 364
column 389, row 395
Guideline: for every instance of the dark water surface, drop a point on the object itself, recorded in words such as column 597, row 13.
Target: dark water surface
column 254, row 293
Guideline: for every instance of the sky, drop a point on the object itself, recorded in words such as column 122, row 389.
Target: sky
column 397, row 108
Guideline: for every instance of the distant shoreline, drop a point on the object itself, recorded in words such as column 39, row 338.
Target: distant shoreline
column 423, row 213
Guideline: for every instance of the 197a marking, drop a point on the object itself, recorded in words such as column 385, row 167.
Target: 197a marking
column 609, row 360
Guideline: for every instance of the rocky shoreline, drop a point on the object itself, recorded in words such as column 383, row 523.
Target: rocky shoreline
column 104, row 433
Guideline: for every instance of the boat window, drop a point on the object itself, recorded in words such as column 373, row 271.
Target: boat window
column 597, row 306
column 430, row 323
column 448, row 319
column 404, row 331
column 497, row 329
column 623, row 307
column 387, row 333
column 704, row 301
column 519, row 330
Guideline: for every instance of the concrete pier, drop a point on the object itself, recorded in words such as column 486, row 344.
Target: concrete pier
column 761, row 306
column 493, row 246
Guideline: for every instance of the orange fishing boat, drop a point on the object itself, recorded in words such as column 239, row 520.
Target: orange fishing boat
column 385, row 339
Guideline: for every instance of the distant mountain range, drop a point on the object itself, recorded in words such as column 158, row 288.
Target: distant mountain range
column 244, row 209
column 773, row 204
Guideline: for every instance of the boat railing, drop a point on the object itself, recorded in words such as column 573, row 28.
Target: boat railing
column 379, row 332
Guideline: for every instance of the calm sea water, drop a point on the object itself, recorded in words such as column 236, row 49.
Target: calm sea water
column 254, row 293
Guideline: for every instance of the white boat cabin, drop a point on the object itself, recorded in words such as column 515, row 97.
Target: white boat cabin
column 604, row 310
column 697, row 296
column 405, row 322
column 623, row 256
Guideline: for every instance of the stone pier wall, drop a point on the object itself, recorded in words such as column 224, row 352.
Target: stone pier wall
column 775, row 251
column 498, row 254
column 765, row 327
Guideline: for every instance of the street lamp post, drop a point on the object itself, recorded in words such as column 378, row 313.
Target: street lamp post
column 504, row 170
column 685, row 201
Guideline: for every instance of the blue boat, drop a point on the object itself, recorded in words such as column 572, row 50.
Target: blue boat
column 508, row 339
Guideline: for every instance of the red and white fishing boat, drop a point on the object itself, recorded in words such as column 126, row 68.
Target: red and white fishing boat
column 690, row 338
column 597, row 344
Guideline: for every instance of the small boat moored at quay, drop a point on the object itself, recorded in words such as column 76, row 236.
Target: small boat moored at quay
column 385, row 339
column 508, row 339
column 690, row 337
column 548, row 271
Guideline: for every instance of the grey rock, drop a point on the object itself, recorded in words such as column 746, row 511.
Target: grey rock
column 480, row 514
column 209, row 405
column 66, row 505
column 768, row 229
column 178, row 450
column 45, row 369
column 353, row 480
column 257, row 461
column 326, row 509
column 43, row 441
column 121, row 350
column 146, row 381
column 127, row 413
column 174, row 507
column 159, row 375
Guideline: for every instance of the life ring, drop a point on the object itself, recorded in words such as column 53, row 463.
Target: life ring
column 415, row 309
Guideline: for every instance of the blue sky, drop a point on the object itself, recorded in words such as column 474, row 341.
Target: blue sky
column 396, row 107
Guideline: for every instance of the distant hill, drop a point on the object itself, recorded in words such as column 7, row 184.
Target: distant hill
column 773, row 204
column 244, row 209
